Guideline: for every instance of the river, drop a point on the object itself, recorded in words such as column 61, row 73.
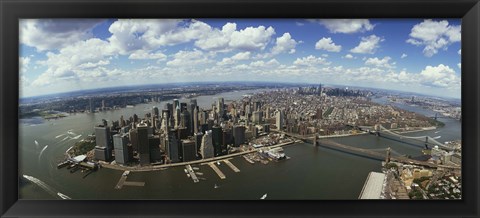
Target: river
column 311, row 173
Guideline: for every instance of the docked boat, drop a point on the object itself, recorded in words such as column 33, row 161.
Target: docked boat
column 264, row 196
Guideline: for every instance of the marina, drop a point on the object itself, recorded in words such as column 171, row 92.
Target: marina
column 217, row 170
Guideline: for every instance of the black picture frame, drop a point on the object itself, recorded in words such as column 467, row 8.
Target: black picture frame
column 12, row 10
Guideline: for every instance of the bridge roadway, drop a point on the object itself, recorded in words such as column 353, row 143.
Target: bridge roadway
column 367, row 152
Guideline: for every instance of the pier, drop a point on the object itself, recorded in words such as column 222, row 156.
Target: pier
column 123, row 181
column 230, row 164
column 218, row 171
column 192, row 173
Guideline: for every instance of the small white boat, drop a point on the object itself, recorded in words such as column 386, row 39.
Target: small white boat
column 185, row 170
column 216, row 186
column 218, row 163
column 264, row 196
column 437, row 137
column 63, row 196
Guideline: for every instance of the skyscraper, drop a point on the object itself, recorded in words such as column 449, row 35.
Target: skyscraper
column 91, row 106
column 172, row 146
column 195, row 120
column 143, row 145
column 206, row 150
column 220, row 105
column 189, row 150
column 238, row 135
column 120, row 142
column 217, row 140
column 280, row 120
column 257, row 117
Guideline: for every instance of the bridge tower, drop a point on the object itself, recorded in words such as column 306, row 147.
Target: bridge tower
column 387, row 156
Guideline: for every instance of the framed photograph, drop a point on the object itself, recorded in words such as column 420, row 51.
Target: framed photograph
column 235, row 108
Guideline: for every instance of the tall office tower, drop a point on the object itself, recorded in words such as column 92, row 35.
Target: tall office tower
column 210, row 124
column 220, row 105
column 177, row 116
column 238, row 135
column 122, row 121
column 120, row 142
column 169, row 107
column 154, row 146
column 183, row 107
column 257, row 106
column 266, row 128
column 257, row 117
column 217, row 140
column 143, row 146
column 103, row 138
column 206, row 150
column 267, row 113
column 191, row 110
column 319, row 114
column 280, row 120
column 189, row 150
column 171, row 146
column 176, row 103
column 103, row 105
column 91, row 105
column 135, row 118
column 155, row 116
column 255, row 132
column 165, row 120
column 185, row 120
column 203, row 116
column 227, row 139
column 195, row 120
column 319, row 91
column 198, row 141
column 133, row 135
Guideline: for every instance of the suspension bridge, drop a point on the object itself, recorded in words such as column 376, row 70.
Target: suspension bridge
column 427, row 140
column 383, row 154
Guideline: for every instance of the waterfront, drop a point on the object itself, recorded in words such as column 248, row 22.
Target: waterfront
column 311, row 173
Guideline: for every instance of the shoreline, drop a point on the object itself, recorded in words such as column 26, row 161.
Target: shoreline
column 166, row 166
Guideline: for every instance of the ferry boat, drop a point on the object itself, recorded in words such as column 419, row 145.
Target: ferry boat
column 264, row 196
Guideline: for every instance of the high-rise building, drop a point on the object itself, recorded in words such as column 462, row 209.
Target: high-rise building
column 165, row 120
column 280, row 120
column 206, row 149
column 195, row 120
column 227, row 139
column 257, row 117
column 103, row 139
column 120, row 142
column 189, row 150
column 198, row 141
column 257, row 106
column 217, row 140
column 220, row 105
column 266, row 128
column 255, row 132
column 185, row 120
column 172, row 146
column 267, row 113
column 154, row 146
column 238, row 135
column 143, row 145
column 177, row 116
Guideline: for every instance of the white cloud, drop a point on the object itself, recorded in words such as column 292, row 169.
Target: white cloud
column 23, row 63
column 349, row 56
column 285, row 43
column 441, row 76
column 189, row 58
column 263, row 64
column 70, row 60
column 434, row 35
column 368, row 45
column 459, row 65
column 144, row 55
column 311, row 61
column 328, row 45
column 346, row 25
column 384, row 62
column 237, row 57
column 51, row 34
column 460, row 52
column 403, row 55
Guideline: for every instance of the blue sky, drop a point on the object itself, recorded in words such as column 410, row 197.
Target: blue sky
column 414, row 55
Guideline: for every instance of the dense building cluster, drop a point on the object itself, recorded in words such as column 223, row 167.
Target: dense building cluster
column 180, row 132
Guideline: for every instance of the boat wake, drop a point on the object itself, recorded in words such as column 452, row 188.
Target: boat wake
column 41, row 184
column 36, row 144
column 41, row 152
column 58, row 136
column 437, row 137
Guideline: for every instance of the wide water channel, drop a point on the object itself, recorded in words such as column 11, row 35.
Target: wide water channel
column 311, row 173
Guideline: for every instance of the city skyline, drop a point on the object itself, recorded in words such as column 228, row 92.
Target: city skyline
column 412, row 55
